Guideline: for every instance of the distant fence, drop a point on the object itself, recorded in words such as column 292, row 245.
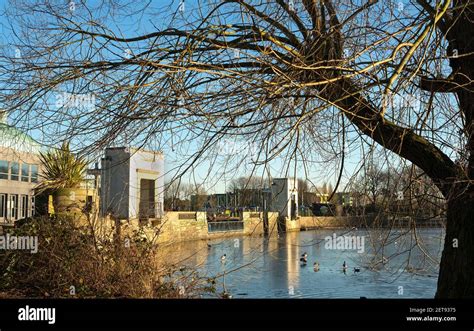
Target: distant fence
column 225, row 226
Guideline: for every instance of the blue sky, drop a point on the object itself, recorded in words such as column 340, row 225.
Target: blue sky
column 215, row 173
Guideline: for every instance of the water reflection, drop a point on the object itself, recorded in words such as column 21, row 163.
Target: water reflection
column 393, row 265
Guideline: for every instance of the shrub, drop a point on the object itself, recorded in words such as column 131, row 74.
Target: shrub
column 75, row 260
column 61, row 169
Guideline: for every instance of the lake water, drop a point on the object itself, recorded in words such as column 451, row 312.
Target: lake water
column 392, row 263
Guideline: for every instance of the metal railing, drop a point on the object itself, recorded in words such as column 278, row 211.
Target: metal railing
column 225, row 226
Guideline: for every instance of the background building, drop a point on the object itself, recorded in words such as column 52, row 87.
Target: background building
column 285, row 197
column 19, row 173
column 132, row 183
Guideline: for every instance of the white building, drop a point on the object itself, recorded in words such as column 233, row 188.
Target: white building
column 19, row 171
column 285, row 197
column 132, row 183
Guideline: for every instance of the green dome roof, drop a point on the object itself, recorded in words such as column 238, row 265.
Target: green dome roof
column 11, row 137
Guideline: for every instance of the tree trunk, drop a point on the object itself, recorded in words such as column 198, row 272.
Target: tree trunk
column 456, row 274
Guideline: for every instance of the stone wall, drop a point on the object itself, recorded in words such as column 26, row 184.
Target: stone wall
column 313, row 222
column 186, row 226
column 174, row 227
column 292, row 225
column 182, row 227
column 253, row 223
column 273, row 223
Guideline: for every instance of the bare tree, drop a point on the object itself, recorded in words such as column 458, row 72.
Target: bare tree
column 198, row 196
column 251, row 183
column 296, row 80
column 177, row 196
column 376, row 184
column 247, row 191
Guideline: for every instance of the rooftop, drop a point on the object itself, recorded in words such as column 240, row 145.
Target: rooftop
column 11, row 137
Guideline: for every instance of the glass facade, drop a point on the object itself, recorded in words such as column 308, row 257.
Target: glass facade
column 15, row 206
column 17, row 174
column 28, row 173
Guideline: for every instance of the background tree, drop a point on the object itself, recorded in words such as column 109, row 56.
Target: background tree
column 246, row 182
column 304, row 195
column 247, row 191
column 419, row 196
column 177, row 196
column 198, row 197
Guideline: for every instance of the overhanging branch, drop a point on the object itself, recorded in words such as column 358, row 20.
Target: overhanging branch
column 439, row 85
column 402, row 141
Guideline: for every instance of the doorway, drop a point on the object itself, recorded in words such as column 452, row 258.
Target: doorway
column 293, row 207
column 147, row 199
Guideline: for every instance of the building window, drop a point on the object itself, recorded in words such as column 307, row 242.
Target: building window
column 25, row 172
column 3, row 206
column 15, row 171
column 24, row 206
column 13, row 206
column 34, row 173
column 32, row 213
column 3, row 169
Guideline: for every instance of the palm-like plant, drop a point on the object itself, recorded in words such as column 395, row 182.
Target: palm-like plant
column 61, row 169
